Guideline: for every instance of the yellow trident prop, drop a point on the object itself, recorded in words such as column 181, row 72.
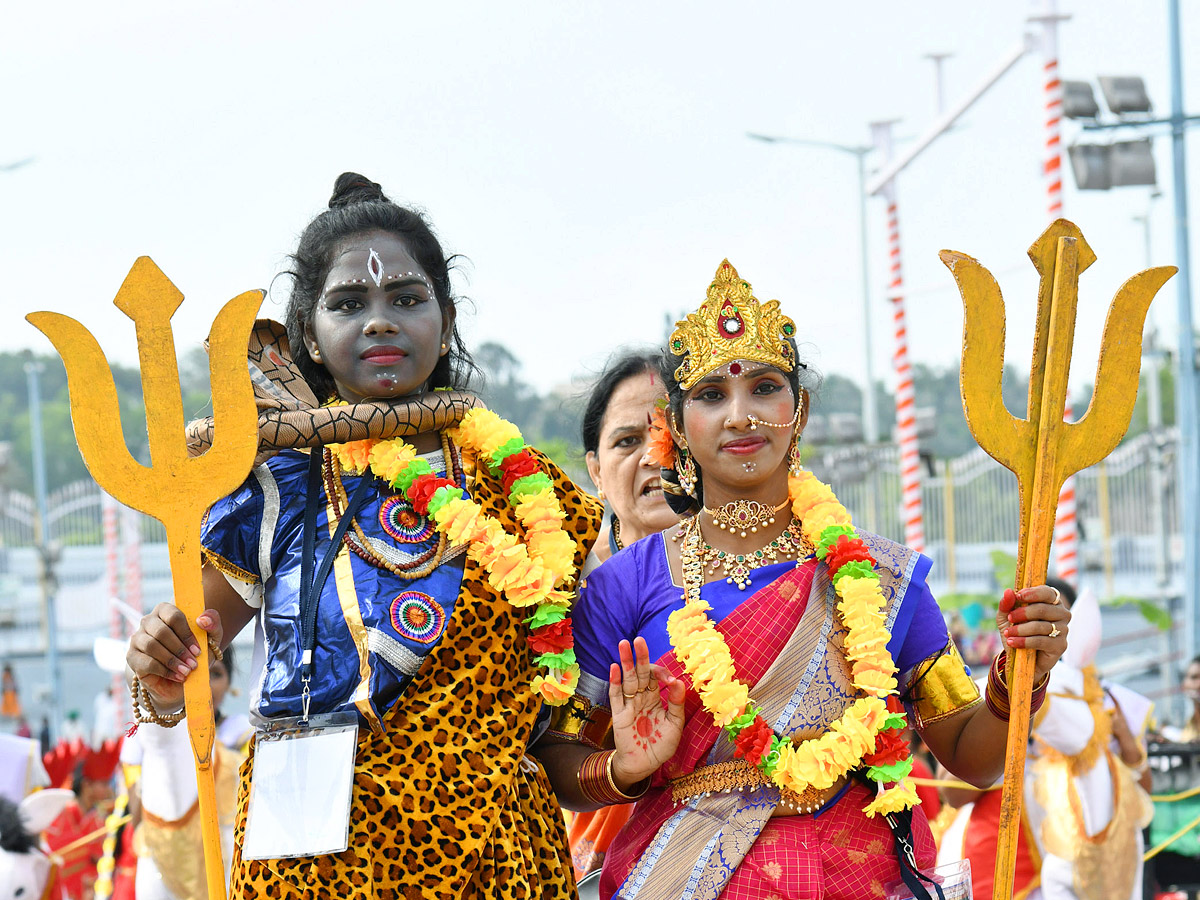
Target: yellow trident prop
column 1042, row 450
column 173, row 488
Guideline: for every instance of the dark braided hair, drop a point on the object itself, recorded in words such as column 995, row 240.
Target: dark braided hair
column 358, row 206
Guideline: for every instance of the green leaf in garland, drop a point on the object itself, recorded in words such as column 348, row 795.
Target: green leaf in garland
column 505, row 450
column 770, row 759
column 830, row 535
column 556, row 660
column 411, row 473
column 745, row 720
column 894, row 720
column 894, row 772
column 856, row 569
column 546, row 614
column 529, row 484
column 442, row 496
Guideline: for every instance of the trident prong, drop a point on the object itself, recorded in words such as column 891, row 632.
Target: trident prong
column 1042, row 450
column 174, row 488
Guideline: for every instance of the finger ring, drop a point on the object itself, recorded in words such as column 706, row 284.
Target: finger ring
column 1054, row 632
column 629, row 696
column 1057, row 599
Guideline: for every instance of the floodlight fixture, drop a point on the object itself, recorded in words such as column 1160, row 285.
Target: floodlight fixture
column 1090, row 164
column 1125, row 94
column 1079, row 100
column 1132, row 163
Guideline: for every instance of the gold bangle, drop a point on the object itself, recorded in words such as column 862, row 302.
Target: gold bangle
column 612, row 782
column 596, row 781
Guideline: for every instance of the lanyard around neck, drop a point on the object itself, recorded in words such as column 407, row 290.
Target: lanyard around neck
column 310, row 585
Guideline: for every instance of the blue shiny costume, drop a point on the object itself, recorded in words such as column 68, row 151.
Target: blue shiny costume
column 255, row 536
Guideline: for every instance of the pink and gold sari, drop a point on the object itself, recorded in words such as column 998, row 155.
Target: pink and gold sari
column 786, row 641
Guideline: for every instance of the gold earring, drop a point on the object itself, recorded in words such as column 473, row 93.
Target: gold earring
column 795, row 467
column 686, row 469
column 600, row 494
column 443, row 345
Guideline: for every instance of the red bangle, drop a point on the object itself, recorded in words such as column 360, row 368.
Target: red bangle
column 596, row 781
column 996, row 693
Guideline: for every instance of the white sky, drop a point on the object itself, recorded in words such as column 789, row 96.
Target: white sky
column 589, row 159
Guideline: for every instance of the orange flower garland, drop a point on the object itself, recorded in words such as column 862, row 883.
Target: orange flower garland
column 528, row 574
column 869, row 729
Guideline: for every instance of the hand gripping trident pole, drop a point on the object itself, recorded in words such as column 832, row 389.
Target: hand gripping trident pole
column 174, row 488
column 1042, row 449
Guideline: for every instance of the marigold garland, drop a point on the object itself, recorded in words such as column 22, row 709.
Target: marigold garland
column 869, row 731
column 529, row 574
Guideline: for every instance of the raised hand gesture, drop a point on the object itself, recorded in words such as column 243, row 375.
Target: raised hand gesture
column 645, row 730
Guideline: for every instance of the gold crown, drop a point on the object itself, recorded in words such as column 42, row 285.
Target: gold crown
column 731, row 324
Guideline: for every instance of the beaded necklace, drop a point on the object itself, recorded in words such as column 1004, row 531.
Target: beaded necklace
column 363, row 547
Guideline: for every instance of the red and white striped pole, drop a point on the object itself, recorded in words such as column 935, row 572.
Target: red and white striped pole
column 1066, row 528
column 116, row 623
column 1053, row 94
column 1066, row 535
column 906, row 399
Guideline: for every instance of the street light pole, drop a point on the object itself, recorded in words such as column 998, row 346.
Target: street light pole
column 870, row 416
column 1185, row 389
column 37, row 445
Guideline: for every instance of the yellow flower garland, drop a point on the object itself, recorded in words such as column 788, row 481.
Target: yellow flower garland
column 527, row 574
column 818, row 762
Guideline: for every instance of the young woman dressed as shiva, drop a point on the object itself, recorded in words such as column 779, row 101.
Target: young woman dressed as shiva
column 746, row 674
column 409, row 565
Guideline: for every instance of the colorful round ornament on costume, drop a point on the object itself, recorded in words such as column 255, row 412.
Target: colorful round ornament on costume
column 402, row 523
column 418, row 617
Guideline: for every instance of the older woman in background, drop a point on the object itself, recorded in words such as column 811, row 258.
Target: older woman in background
column 616, row 435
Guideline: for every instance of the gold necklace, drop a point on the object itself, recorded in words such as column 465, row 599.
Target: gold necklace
column 737, row 567
column 743, row 514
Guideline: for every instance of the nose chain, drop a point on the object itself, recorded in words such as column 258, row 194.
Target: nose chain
column 755, row 421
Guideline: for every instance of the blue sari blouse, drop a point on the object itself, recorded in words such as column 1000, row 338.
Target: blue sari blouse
column 255, row 535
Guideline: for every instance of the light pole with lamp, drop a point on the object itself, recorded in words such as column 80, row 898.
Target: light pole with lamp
column 869, row 416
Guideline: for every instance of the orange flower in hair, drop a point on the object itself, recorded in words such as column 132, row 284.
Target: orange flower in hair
column 662, row 445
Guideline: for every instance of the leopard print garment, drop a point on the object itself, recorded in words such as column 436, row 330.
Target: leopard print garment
column 446, row 804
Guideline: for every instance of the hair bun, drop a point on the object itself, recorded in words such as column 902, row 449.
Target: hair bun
column 351, row 188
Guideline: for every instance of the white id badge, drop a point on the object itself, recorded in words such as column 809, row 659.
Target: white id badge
column 300, row 787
